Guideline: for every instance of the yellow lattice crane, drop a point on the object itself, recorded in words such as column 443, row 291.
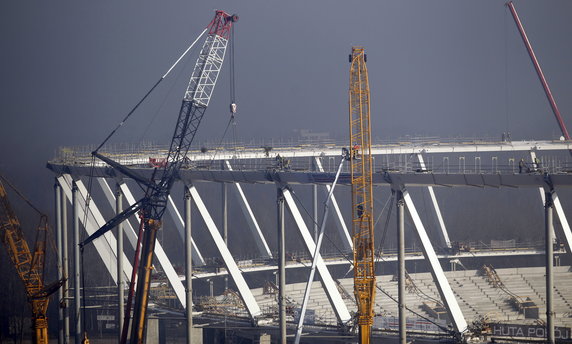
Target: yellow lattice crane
column 29, row 266
column 362, row 193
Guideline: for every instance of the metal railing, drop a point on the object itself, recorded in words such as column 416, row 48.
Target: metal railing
column 258, row 155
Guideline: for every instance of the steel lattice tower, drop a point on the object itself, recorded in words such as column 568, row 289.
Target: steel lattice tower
column 362, row 193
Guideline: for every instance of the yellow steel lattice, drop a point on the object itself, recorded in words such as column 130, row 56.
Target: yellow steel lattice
column 362, row 193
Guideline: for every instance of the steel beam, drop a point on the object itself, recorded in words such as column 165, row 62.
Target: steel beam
column 444, row 233
column 236, row 275
column 453, row 309
column 343, row 232
column 338, row 304
column 259, row 239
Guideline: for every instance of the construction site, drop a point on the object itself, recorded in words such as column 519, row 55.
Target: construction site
column 220, row 241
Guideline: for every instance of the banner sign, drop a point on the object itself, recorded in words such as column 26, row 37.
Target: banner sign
column 529, row 331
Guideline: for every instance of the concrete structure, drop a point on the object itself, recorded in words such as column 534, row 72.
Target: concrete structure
column 314, row 165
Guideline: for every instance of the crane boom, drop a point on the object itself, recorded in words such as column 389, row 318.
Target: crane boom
column 362, row 193
column 153, row 205
column 30, row 267
column 539, row 72
column 193, row 107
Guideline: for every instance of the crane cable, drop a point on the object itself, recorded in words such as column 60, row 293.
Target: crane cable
column 150, row 91
column 21, row 195
column 92, row 167
column 386, row 225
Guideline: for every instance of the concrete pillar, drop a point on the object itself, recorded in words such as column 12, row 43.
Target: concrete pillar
column 401, row 269
column 120, row 281
column 58, row 217
column 65, row 268
column 152, row 332
column 77, row 276
column 315, row 210
column 315, row 203
column 188, row 266
column 225, row 222
column 197, row 335
column 549, row 230
column 263, row 338
column 282, row 267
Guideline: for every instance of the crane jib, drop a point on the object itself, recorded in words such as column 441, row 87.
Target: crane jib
column 153, row 205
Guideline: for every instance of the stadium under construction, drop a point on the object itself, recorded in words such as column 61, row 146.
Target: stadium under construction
column 429, row 281
column 480, row 290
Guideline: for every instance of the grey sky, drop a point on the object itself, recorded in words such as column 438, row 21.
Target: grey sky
column 71, row 70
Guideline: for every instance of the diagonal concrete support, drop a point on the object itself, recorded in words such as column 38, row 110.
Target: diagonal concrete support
column 443, row 286
column 565, row 231
column 341, row 224
column 106, row 247
column 444, row 233
column 235, row 273
column 338, row 304
column 561, row 216
column 110, row 196
column 259, row 239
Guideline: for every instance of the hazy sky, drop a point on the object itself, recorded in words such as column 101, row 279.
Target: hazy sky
column 71, row 70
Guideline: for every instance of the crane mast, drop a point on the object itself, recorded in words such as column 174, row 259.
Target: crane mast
column 153, row 205
column 362, row 193
column 30, row 267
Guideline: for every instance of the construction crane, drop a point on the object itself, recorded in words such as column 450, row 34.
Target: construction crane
column 29, row 266
column 153, row 205
column 362, row 193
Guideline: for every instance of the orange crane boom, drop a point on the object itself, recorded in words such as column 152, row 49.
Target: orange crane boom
column 30, row 267
column 362, row 193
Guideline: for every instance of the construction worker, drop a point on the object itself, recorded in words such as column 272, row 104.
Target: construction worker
column 355, row 150
column 522, row 166
column 537, row 164
column 360, row 210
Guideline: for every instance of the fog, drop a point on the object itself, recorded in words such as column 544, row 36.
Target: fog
column 72, row 70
